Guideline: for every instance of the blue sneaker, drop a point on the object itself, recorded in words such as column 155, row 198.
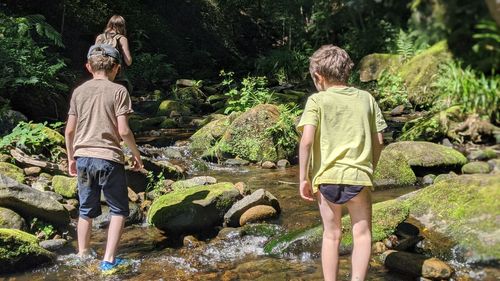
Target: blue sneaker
column 108, row 268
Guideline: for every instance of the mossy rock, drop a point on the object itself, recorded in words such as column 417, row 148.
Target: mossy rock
column 20, row 251
column 65, row 186
column 11, row 219
column 466, row 209
column 421, row 72
column 207, row 137
column 168, row 124
column 12, row 171
column 393, row 170
column 386, row 217
column 54, row 136
column 246, row 137
column 167, row 106
column 423, row 156
column 476, row 168
column 373, row 65
column 443, row 177
column 192, row 210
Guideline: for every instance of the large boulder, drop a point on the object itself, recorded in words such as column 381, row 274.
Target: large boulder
column 386, row 217
column 426, row 157
column 372, row 66
column 259, row 197
column 30, row 202
column 466, row 209
column 205, row 138
column 192, row 210
column 10, row 219
column 196, row 181
column 168, row 106
column 20, row 251
column 65, row 186
column 12, row 171
column 393, row 170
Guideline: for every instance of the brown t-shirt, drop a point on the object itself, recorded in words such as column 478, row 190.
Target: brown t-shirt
column 97, row 104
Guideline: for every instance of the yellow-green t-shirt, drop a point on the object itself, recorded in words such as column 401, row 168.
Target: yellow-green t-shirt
column 345, row 119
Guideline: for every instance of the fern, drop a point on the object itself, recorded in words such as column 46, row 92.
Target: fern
column 405, row 45
column 44, row 29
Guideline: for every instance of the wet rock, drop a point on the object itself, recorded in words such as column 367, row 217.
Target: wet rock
column 20, row 251
column 482, row 154
column 12, row 171
column 29, row 202
column 268, row 165
column 443, row 177
column 476, row 168
column 72, row 210
column 260, row 229
column 203, row 141
column 202, row 180
column 135, row 217
column 10, row 219
column 428, row 179
column 167, row 106
column 416, row 265
column 53, row 244
column 398, row 110
column 393, row 170
column 283, row 163
column 236, row 162
column 54, row 196
column 191, row 242
column 242, row 188
column 408, row 243
column 257, row 213
column 41, row 184
column 446, row 142
column 192, row 210
column 494, row 164
column 132, row 196
column 73, row 202
column 259, row 197
column 65, row 186
column 32, row 171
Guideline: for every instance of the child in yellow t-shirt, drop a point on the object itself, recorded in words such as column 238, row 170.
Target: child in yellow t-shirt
column 341, row 144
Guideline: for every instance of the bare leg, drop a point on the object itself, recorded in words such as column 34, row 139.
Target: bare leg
column 360, row 210
column 332, row 232
column 114, row 233
column 84, row 230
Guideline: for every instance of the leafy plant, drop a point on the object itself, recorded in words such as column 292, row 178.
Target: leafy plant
column 149, row 69
column 284, row 134
column 391, row 91
column 487, row 44
column 38, row 226
column 285, row 65
column 156, row 183
column 253, row 91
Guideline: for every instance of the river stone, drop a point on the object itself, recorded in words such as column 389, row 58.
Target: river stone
column 393, row 170
column 10, row 219
column 135, row 216
column 29, row 202
column 236, row 162
column 257, row 213
column 203, row 141
column 169, row 170
column 386, row 217
column 416, row 265
column 428, row 179
column 12, row 171
column 42, row 184
column 53, row 244
column 425, row 156
column 482, row 154
column 202, row 180
column 494, row 164
column 283, row 163
column 65, row 186
column 243, row 188
column 259, row 197
column 443, row 177
column 55, row 196
column 192, row 210
column 469, row 218
column 20, row 251
column 72, row 210
column 132, row 196
column 32, row 171
column 167, row 106
column 268, row 165
column 476, row 168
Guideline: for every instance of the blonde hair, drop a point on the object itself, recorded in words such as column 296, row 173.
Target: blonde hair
column 331, row 62
column 100, row 62
column 117, row 24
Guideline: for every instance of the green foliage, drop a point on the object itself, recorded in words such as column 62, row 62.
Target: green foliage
column 284, row 134
column 149, row 69
column 253, row 91
column 38, row 226
column 156, row 183
column 473, row 91
column 33, row 139
column 285, row 65
column 391, row 91
column 487, row 44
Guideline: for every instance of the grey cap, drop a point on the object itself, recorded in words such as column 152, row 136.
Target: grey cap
column 104, row 50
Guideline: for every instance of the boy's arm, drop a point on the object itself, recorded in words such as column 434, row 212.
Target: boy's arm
column 69, row 135
column 378, row 145
column 305, row 146
column 128, row 137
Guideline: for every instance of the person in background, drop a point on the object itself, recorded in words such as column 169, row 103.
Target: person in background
column 338, row 152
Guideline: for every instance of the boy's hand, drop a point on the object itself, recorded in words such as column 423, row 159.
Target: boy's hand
column 306, row 190
column 72, row 167
column 137, row 163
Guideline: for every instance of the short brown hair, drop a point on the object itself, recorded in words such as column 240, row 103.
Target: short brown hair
column 101, row 62
column 331, row 62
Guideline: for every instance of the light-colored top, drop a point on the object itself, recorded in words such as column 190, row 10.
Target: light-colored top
column 97, row 104
column 345, row 119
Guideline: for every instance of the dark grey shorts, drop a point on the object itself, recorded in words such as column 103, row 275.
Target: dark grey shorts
column 339, row 193
column 96, row 174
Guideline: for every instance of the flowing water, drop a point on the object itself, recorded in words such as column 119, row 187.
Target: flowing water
column 225, row 257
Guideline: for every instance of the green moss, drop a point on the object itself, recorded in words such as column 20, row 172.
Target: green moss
column 427, row 154
column 12, row 171
column 19, row 250
column 373, row 65
column 393, row 170
column 476, row 168
column 433, row 127
column 167, row 106
column 54, row 136
column 206, row 137
column 470, row 207
column 65, row 186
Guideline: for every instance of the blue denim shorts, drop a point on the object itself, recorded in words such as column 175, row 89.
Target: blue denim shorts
column 96, row 174
column 339, row 193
